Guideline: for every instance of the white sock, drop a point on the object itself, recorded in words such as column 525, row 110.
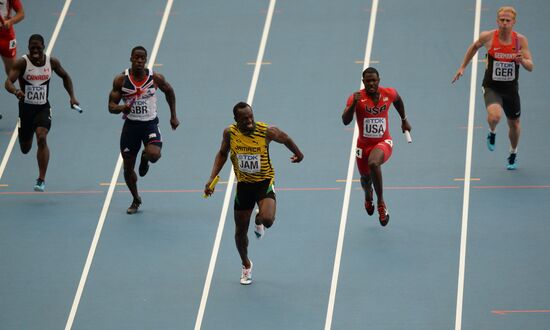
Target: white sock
column 513, row 150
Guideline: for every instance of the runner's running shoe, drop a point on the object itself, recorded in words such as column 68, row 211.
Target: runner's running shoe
column 491, row 137
column 134, row 206
column 246, row 275
column 259, row 230
column 512, row 162
column 143, row 165
column 40, row 185
column 383, row 214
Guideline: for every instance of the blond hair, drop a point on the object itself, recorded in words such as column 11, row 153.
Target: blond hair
column 509, row 9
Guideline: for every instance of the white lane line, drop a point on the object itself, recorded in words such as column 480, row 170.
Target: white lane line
column 53, row 39
column 111, row 189
column 349, row 179
column 467, row 176
column 231, row 180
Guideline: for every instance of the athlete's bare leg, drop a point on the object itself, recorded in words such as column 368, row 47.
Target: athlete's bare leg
column 494, row 113
column 43, row 152
column 266, row 214
column 514, row 132
column 242, row 221
column 130, row 175
column 8, row 63
column 376, row 159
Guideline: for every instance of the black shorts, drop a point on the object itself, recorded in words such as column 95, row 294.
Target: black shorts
column 250, row 193
column 134, row 133
column 32, row 117
column 508, row 100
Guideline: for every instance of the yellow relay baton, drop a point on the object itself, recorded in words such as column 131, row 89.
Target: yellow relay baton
column 212, row 185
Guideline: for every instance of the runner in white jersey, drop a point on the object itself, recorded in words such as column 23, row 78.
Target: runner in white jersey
column 137, row 87
column 34, row 71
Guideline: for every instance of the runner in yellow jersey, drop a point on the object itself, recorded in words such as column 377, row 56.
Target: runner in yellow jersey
column 248, row 141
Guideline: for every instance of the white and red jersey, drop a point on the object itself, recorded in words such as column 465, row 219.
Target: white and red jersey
column 34, row 82
column 141, row 95
column 6, row 7
column 372, row 119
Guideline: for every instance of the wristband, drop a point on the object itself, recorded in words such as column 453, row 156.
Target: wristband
column 405, row 118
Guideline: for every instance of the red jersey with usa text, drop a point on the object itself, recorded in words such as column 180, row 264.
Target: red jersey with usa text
column 6, row 7
column 371, row 118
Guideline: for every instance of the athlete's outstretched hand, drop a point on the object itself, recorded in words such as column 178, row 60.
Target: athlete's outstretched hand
column 458, row 74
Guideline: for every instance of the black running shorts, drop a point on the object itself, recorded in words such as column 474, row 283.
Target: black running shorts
column 508, row 100
column 250, row 193
column 134, row 133
column 32, row 117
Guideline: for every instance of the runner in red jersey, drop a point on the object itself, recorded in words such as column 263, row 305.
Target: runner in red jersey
column 374, row 144
column 506, row 50
column 8, row 45
column 8, row 48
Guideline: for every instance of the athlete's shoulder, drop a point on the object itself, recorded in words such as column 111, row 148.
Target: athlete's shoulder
column 388, row 91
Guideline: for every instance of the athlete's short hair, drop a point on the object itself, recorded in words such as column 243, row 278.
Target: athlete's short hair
column 509, row 9
column 371, row 70
column 240, row 105
column 138, row 48
column 37, row 37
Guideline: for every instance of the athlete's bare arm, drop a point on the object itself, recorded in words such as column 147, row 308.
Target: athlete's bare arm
column 19, row 66
column 67, row 81
column 524, row 55
column 219, row 161
column 18, row 17
column 275, row 134
column 168, row 91
column 400, row 107
column 116, row 95
column 347, row 116
column 484, row 39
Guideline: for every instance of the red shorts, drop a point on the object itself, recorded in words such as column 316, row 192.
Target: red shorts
column 8, row 47
column 362, row 154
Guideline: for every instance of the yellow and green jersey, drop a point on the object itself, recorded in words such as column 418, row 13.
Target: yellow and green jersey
column 250, row 154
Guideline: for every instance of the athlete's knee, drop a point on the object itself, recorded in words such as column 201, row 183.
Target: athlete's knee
column 514, row 123
column 153, row 155
column 25, row 147
column 41, row 140
column 267, row 221
column 366, row 180
column 374, row 164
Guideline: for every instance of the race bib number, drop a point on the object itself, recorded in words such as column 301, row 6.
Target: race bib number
column 249, row 163
column 358, row 152
column 140, row 107
column 13, row 44
column 374, row 127
column 36, row 94
column 504, row 71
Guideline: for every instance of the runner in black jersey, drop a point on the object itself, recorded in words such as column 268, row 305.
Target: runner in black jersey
column 506, row 51
column 34, row 71
column 137, row 87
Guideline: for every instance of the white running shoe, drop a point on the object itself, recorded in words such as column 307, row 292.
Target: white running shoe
column 259, row 231
column 246, row 275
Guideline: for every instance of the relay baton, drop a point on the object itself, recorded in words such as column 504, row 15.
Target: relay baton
column 212, row 185
column 77, row 108
column 408, row 136
column 124, row 116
